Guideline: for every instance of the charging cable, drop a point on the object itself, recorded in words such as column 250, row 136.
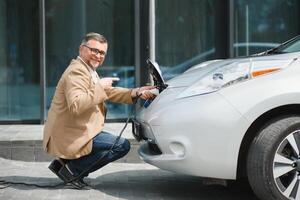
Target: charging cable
column 81, row 175
column 4, row 184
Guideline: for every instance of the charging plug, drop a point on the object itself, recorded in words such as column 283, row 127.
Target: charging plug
column 154, row 91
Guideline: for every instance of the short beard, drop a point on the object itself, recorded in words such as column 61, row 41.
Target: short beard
column 91, row 63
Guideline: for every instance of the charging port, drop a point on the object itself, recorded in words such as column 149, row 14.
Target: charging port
column 154, row 149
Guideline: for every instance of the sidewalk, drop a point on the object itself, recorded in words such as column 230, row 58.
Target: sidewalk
column 111, row 182
column 24, row 142
column 115, row 181
column 20, row 161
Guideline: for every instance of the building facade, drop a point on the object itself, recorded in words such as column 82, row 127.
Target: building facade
column 38, row 38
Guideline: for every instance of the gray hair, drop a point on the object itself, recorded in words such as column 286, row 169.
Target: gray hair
column 93, row 36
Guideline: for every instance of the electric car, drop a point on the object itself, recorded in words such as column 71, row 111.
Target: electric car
column 229, row 119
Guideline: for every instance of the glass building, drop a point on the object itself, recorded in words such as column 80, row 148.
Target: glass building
column 38, row 38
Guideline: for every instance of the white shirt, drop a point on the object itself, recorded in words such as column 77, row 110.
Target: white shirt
column 94, row 74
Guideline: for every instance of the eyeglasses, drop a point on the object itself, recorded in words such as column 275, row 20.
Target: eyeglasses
column 95, row 51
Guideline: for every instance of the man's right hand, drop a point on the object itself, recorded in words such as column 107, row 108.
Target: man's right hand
column 143, row 92
column 108, row 81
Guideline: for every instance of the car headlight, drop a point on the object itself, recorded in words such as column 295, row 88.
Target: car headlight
column 233, row 73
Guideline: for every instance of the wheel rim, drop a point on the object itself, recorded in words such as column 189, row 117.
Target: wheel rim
column 286, row 166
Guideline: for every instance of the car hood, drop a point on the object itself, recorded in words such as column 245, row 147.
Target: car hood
column 197, row 72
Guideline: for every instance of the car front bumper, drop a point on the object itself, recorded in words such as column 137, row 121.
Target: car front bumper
column 192, row 136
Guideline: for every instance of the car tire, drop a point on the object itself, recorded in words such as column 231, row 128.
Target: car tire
column 273, row 162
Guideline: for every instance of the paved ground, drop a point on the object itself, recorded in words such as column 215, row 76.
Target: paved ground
column 128, row 179
column 115, row 181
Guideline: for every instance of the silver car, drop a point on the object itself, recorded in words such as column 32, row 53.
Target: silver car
column 229, row 119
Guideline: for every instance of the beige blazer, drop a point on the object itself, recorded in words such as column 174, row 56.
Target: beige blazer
column 77, row 112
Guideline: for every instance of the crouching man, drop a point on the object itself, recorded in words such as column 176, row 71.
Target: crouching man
column 73, row 130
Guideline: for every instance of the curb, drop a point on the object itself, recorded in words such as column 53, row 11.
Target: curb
column 32, row 151
column 24, row 143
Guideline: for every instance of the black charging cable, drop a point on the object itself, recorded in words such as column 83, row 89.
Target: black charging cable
column 4, row 184
column 82, row 174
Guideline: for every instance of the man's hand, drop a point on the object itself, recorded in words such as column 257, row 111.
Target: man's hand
column 143, row 92
column 108, row 81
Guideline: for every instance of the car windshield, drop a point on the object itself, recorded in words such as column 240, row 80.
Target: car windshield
column 290, row 46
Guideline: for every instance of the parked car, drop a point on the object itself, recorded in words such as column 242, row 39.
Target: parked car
column 229, row 119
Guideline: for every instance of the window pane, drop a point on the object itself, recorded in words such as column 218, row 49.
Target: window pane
column 68, row 20
column 261, row 25
column 19, row 63
column 185, row 34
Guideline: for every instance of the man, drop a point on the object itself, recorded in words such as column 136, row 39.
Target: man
column 72, row 132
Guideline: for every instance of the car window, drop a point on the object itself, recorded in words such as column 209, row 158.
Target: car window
column 294, row 47
column 290, row 46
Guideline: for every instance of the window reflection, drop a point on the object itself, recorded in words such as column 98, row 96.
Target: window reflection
column 185, row 34
column 261, row 25
column 113, row 19
column 19, row 61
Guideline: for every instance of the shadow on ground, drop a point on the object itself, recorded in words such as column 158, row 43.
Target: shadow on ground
column 150, row 184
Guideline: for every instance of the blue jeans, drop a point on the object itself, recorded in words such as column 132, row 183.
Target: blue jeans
column 101, row 144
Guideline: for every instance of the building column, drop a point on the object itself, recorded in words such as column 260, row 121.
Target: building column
column 142, row 48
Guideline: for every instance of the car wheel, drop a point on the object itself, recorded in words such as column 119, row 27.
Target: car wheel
column 273, row 162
